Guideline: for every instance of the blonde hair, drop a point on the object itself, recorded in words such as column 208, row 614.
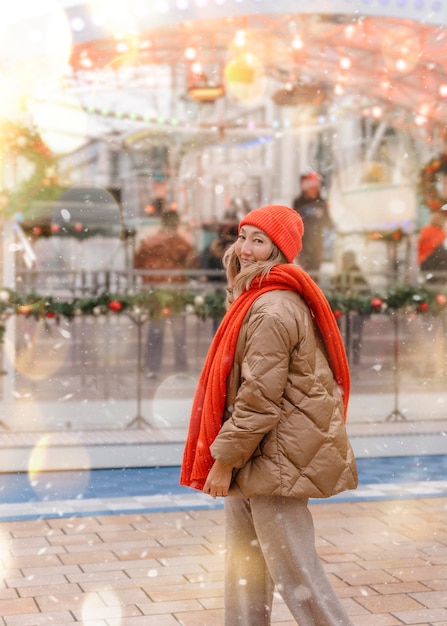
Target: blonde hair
column 240, row 280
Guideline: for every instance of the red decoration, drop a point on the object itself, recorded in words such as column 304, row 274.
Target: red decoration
column 50, row 314
column 115, row 305
column 423, row 307
column 166, row 311
column 389, row 235
column 337, row 314
column 376, row 303
column 441, row 299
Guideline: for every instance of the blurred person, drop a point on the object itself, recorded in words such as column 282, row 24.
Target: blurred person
column 352, row 282
column 238, row 207
column 314, row 211
column 211, row 258
column 275, row 382
column 165, row 250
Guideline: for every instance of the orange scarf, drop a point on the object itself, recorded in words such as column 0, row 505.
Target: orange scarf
column 209, row 400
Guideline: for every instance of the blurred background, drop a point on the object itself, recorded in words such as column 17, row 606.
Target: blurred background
column 113, row 114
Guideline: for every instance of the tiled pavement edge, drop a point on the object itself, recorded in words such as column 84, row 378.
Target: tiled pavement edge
column 386, row 558
column 190, row 499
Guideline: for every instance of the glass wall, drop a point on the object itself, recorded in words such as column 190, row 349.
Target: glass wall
column 208, row 116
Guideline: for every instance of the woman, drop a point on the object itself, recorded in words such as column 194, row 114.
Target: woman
column 267, row 425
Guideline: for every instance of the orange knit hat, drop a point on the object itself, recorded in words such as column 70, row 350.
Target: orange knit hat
column 282, row 224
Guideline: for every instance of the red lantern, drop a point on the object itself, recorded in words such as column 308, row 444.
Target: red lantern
column 115, row 305
column 376, row 303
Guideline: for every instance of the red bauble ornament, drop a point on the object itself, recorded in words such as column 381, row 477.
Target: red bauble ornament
column 441, row 299
column 423, row 307
column 337, row 314
column 50, row 314
column 376, row 303
column 115, row 305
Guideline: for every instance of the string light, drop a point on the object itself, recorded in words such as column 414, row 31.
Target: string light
column 420, row 120
column 190, row 54
column 197, row 68
column 240, row 39
column 377, row 112
column 349, row 31
column 297, row 43
column 345, row 63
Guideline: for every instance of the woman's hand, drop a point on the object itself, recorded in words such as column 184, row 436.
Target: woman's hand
column 218, row 480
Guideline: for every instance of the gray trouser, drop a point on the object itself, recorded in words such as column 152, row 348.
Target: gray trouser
column 270, row 541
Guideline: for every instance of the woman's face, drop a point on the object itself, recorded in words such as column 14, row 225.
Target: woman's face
column 252, row 245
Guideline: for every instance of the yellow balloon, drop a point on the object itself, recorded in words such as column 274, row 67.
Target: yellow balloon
column 245, row 78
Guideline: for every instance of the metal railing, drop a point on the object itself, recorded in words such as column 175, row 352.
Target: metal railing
column 102, row 359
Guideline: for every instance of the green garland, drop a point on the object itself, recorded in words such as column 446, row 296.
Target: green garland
column 151, row 304
column 159, row 303
column 17, row 140
column 407, row 299
column 428, row 178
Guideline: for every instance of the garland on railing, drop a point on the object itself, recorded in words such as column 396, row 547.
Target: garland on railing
column 159, row 303
column 411, row 299
column 394, row 236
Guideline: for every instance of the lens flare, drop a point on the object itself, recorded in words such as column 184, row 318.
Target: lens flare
column 41, row 348
column 103, row 605
column 173, row 401
column 401, row 49
column 35, row 49
column 47, row 464
column 119, row 18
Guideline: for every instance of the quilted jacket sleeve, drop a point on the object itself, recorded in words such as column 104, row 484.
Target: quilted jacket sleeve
column 263, row 371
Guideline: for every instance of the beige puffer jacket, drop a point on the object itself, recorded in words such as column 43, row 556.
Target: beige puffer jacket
column 283, row 430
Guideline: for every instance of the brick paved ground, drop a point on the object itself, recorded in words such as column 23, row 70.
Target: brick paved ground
column 386, row 558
